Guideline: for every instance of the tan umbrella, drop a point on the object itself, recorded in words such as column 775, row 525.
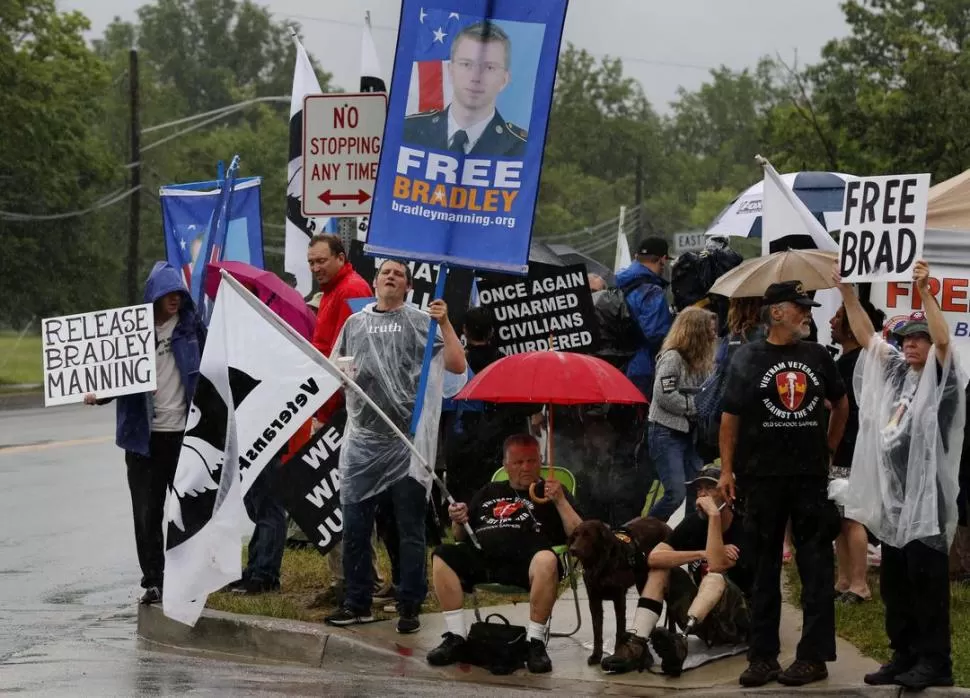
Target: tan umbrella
column 752, row 278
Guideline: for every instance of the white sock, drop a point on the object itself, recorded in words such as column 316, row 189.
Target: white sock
column 536, row 631
column 644, row 621
column 455, row 622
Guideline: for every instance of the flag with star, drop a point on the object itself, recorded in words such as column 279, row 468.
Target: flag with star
column 430, row 84
column 187, row 214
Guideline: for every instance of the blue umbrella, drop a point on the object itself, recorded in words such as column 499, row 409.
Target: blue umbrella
column 821, row 192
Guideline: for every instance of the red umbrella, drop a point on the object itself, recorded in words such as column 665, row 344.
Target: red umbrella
column 553, row 378
column 282, row 299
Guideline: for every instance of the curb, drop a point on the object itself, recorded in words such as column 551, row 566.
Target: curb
column 233, row 636
column 21, row 400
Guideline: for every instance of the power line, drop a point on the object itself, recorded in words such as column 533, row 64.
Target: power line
column 104, row 202
column 227, row 108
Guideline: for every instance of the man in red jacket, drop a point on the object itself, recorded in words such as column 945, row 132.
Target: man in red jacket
column 339, row 283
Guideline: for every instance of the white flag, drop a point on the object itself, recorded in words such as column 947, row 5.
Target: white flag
column 299, row 228
column 623, row 259
column 783, row 215
column 258, row 383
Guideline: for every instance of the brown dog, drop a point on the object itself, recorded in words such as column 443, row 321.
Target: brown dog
column 613, row 561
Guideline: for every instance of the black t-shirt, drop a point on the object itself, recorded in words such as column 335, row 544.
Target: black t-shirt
column 846, row 365
column 505, row 519
column 779, row 393
column 691, row 535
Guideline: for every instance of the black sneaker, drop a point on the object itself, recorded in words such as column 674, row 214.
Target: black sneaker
column 672, row 650
column 254, row 587
column 538, row 661
column 151, row 596
column 632, row 653
column 803, row 672
column 760, row 672
column 925, row 674
column 408, row 621
column 448, row 652
column 886, row 676
column 348, row 616
column 234, row 586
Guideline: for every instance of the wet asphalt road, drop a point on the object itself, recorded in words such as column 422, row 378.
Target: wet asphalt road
column 69, row 581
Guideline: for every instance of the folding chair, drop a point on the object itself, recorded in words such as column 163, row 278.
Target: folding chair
column 569, row 482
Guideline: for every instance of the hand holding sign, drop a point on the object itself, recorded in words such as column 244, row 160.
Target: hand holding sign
column 921, row 276
column 438, row 310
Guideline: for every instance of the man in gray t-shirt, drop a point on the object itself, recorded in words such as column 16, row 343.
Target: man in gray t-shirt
column 382, row 348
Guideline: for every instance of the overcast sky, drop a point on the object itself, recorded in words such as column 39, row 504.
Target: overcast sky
column 664, row 45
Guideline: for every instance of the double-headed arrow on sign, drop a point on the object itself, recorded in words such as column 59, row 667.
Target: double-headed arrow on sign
column 328, row 197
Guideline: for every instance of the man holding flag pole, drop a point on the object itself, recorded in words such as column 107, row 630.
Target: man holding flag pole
column 375, row 466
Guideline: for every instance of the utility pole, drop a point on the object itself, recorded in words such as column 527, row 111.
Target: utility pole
column 134, row 201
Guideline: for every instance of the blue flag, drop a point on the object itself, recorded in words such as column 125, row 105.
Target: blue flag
column 464, row 137
column 188, row 214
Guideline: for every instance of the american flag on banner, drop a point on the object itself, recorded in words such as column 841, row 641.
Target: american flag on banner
column 430, row 83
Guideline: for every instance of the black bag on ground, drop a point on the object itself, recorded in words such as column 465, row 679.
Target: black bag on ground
column 499, row 647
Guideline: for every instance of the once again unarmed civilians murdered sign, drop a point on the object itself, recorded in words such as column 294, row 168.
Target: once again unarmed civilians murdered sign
column 884, row 226
column 551, row 309
column 107, row 352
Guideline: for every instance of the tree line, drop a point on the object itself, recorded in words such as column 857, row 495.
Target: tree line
column 891, row 96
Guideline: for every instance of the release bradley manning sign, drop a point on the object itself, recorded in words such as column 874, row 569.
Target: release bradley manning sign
column 107, row 352
column 552, row 308
column 309, row 485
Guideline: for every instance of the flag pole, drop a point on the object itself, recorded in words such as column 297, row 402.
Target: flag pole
column 323, row 361
column 439, row 292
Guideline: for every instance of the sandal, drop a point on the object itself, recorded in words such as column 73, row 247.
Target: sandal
column 850, row 598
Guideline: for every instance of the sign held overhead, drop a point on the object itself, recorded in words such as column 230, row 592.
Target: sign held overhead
column 884, row 226
column 342, row 140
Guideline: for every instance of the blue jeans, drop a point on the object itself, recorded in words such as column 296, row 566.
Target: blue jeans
column 676, row 461
column 269, row 536
column 408, row 500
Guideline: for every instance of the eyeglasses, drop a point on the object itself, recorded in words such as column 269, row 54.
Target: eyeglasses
column 468, row 66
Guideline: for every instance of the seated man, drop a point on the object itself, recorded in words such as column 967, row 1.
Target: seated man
column 517, row 536
column 709, row 601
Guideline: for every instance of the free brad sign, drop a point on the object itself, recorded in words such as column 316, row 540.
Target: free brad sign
column 883, row 228
column 342, row 139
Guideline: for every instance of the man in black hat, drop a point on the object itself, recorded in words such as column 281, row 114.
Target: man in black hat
column 708, row 600
column 774, row 437
column 644, row 290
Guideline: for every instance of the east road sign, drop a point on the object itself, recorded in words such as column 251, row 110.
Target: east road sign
column 342, row 138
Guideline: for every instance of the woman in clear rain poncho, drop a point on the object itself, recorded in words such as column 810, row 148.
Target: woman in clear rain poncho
column 903, row 482
column 382, row 349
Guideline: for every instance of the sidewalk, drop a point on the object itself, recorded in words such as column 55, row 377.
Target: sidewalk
column 377, row 649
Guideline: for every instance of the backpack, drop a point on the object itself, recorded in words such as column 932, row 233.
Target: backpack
column 619, row 332
column 695, row 272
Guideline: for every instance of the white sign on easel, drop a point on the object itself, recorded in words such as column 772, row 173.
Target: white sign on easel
column 884, row 225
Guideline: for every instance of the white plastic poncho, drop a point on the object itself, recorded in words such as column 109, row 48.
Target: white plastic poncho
column 383, row 353
column 903, row 483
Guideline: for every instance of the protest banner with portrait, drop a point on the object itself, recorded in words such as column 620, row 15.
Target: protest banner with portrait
column 107, row 352
column 466, row 125
column 551, row 309
column 883, row 227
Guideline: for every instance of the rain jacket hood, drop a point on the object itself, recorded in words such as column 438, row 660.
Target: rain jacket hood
column 133, row 429
column 645, row 294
